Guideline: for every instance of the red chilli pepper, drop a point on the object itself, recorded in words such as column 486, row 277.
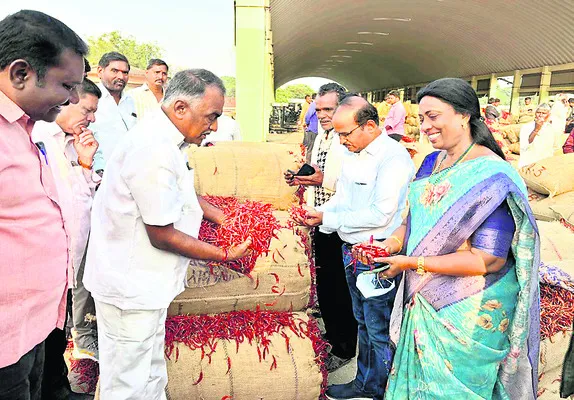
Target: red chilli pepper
column 199, row 379
column 228, row 365
column 227, row 398
column 275, row 276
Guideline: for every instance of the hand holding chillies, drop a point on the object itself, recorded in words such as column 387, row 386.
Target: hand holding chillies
column 246, row 231
column 368, row 251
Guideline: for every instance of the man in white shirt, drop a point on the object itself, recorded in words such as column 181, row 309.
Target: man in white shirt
column 145, row 222
column 537, row 138
column 332, row 291
column 116, row 112
column 70, row 146
column 227, row 131
column 148, row 96
column 371, row 194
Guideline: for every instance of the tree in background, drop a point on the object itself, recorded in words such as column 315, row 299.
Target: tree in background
column 298, row 91
column 137, row 53
column 229, row 82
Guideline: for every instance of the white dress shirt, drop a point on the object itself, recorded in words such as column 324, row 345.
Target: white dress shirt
column 227, row 130
column 371, row 192
column 76, row 188
column 147, row 181
column 541, row 147
column 113, row 121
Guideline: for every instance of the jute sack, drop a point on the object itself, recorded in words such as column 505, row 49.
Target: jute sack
column 552, row 353
column 540, row 205
column 247, row 171
column 551, row 176
column 296, row 376
column 514, row 147
column 511, row 132
column 286, row 267
column 563, row 206
column 556, row 242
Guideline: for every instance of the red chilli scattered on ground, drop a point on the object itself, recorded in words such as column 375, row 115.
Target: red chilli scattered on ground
column 556, row 310
column 251, row 219
column 202, row 332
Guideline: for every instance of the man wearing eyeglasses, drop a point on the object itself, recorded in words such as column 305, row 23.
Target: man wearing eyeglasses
column 371, row 194
column 332, row 290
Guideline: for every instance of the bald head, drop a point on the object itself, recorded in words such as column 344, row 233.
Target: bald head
column 363, row 110
column 357, row 122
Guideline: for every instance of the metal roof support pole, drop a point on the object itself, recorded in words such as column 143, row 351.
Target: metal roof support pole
column 474, row 82
column 493, row 86
column 254, row 93
column 515, row 97
column 544, row 84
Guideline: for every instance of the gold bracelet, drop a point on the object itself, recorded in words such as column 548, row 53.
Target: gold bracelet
column 399, row 241
column 421, row 266
column 86, row 166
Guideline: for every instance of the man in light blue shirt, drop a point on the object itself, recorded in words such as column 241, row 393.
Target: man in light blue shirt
column 371, row 195
column 116, row 113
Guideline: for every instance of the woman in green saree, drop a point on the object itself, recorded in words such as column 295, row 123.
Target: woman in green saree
column 470, row 252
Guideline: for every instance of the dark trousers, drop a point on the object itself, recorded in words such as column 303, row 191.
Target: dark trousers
column 55, row 384
column 23, row 380
column 373, row 315
column 396, row 136
column 333, row 295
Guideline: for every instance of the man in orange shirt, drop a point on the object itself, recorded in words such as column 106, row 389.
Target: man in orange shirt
column 41, row 63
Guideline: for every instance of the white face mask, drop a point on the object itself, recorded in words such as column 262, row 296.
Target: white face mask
column 370, row 285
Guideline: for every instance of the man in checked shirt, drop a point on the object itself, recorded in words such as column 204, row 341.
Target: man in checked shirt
column 332, row 290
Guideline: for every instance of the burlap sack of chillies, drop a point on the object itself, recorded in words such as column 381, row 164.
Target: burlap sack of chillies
column 556, row 242
column 551, row 176
column 556, row 315
column 283, row 359
column 246, row 171
column 280, row 281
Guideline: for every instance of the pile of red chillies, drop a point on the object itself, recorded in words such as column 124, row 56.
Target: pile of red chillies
column 202, row 332
column 556, row 310
column 251, row 219
column 87, row 372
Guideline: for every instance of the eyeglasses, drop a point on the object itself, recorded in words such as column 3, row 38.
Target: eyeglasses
column 345, row 135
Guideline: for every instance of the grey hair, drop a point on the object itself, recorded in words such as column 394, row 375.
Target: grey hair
column 190, row 84
column 544, row 107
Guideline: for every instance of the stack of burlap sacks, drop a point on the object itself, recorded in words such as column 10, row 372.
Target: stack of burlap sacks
column 550, row 185
column 249, row 171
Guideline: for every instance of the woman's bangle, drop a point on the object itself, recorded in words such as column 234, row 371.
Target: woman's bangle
column 421, row 266
column 399, row 241
column 226, row 255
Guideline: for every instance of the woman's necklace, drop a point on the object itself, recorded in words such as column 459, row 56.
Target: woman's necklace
column 437, row 186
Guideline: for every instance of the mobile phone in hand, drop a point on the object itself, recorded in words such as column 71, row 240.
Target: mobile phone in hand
column 305, row 170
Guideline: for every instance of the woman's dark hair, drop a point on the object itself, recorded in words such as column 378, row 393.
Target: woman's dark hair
column 462, row 97
column 37, row 38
